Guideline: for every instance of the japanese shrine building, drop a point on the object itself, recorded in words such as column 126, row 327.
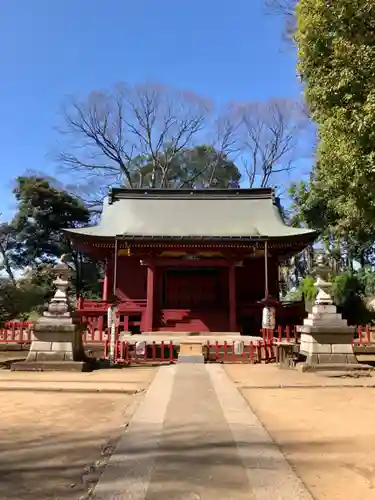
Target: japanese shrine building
column 190, row 260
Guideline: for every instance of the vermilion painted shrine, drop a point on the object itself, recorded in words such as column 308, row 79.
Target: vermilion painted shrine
column 191, row 260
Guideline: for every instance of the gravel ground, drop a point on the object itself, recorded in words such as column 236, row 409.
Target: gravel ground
column 326, row 433
column 54, row 443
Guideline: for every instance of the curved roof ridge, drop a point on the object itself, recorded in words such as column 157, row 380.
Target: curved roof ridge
column 191, row 194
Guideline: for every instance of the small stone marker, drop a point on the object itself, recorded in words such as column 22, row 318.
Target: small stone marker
column 190, row 352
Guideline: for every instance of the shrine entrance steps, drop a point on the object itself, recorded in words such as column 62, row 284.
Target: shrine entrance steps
column 193, row 437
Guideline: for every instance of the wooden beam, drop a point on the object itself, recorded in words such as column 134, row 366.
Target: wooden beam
column 187, row 263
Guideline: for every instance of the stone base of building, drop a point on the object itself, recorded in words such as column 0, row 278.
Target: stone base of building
column 53, row 366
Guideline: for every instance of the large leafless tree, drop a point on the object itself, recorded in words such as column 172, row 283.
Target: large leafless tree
column 111, row 133
column 137, row 135
column 270, row 133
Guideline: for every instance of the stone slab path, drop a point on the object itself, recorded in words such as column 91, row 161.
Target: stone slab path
column 193, row 437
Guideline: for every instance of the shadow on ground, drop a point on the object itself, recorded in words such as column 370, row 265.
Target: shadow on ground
column 40, row 469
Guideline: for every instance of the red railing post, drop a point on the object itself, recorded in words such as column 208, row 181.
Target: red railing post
column 13, row 332
column 170, row 351
column 225, row 351
column 244, row 354
column 251, row 351
column 217, row 353
column 208, row 351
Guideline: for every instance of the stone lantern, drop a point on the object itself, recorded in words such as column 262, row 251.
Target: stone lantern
column 326, row 338
column 57, row 343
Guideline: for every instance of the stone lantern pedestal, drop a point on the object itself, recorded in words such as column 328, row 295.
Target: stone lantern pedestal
column 326, row 339
column 57, row 343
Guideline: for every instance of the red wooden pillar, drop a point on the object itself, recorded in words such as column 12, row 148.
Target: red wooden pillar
column 105, row 282
column 232, row 298
column 104, row 299
column 150, row 298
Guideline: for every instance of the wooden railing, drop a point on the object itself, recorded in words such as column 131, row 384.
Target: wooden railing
column 16, row 332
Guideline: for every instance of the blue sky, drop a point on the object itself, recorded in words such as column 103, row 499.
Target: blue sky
column 54, row 48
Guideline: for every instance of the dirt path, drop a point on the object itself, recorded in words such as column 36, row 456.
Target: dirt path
column 326, row 433
column 48, row 440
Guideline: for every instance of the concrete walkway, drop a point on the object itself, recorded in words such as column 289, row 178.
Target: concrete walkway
column 194, row 438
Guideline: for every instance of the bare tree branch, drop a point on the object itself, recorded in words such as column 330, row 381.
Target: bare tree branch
column 270, row 133
column 287, row 10
column 224, row 142
column 111, row 131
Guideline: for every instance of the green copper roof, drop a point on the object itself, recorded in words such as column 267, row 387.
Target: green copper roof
column 211, row 213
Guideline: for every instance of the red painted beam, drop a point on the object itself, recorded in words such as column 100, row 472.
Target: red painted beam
column 187, row 263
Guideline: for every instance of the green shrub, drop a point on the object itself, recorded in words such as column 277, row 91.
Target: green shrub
column 348, row 290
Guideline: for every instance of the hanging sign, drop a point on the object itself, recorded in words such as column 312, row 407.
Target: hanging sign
column 238, row 347
column 111, row 319
column 140, row 348
column 125, row 252
column 269, row 317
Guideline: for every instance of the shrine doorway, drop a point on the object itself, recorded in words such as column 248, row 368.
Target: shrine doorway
column 193, row 288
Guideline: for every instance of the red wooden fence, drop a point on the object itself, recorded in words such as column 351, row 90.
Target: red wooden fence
column 15, row 332
column 125, row 353
column 214, row 352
